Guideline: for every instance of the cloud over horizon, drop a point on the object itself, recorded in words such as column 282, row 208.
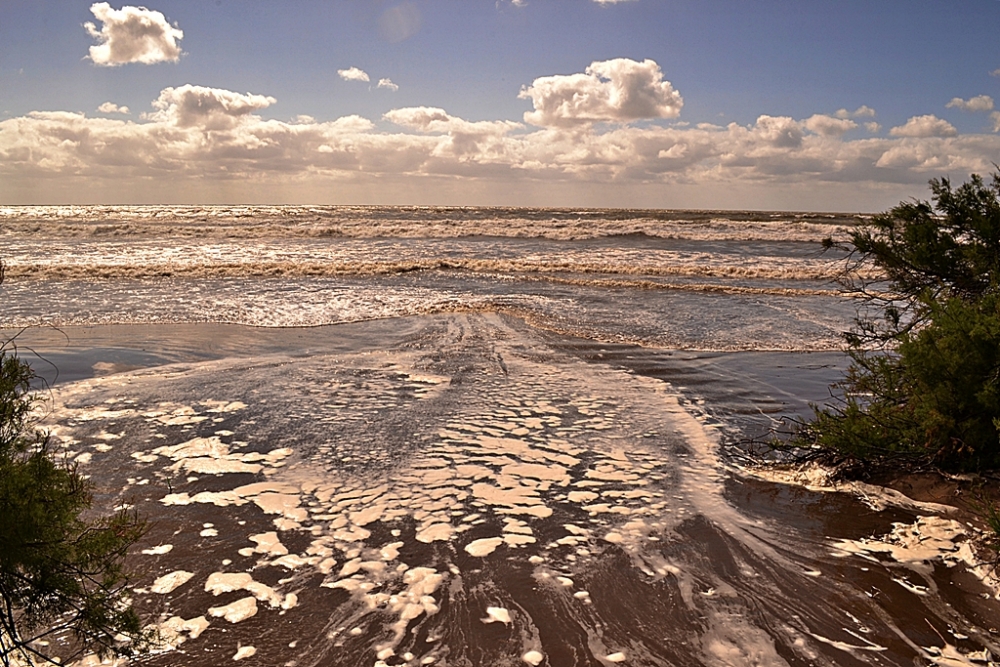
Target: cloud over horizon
column 863, row 111
column 209, row 108
column 111, row 107
column 212, row 134
column 132, row 35
column 617, row 91
column 925, row 126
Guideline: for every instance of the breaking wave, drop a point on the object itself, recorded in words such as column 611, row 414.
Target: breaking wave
column 413, row 222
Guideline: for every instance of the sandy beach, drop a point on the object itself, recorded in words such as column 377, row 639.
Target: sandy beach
column 463, row 489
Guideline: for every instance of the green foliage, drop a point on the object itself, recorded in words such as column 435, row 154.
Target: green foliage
column 60, row 574
column 924, row 383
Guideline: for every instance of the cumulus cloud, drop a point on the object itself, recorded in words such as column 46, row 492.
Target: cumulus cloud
column 863, row 111
column 387, row 83
column 611, row 2
column 977, row 103
column 873, row 127
column 829, row 126
column 619, row 90
column 432, row 119
column 353, row 74
column 995, row 119
column 925, row 126
column 196, row 134
column 209, row 108
column 111, row 107
column 423, row 119
column 465, row 139
column 132, row 35
column 779, row 131
column 995, row 72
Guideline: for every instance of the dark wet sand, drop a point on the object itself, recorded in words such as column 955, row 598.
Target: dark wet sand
column 715, row 570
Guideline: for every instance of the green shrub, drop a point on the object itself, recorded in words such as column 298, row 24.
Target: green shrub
column 924, row 382
column 60, row 574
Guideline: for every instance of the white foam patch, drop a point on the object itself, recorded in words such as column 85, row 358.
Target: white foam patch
column 236, row 611
column 515, row 540
column 436, row 532
column 930, row 539
column 158, row 550
column 212, row 456
column 416, row 599
column 533, row 658
column 269, row 544
column 244, row 652
column 483, row 547
column 497, row 615
column 949, row 656
column 172, row 631
column 224, row 406
column 816, row 477
column 284, row 504
column 169, row 582
column 226, row 582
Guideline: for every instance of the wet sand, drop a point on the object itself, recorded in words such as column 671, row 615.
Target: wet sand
column 465, row 490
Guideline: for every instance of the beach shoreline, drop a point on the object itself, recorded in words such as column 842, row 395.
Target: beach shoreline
column 241, row 451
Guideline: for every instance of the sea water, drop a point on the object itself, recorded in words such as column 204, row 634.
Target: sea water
column 475, row 436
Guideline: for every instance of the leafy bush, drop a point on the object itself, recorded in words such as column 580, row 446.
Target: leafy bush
column 924, row 382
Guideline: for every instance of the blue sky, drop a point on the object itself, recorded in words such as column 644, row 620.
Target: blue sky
column 730, row 61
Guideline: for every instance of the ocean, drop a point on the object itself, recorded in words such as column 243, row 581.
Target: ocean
column 476, row 436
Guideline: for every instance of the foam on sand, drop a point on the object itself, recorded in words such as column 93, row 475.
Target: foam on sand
column 237, row 611
column 169, row 582
column 244, row 652
column 497, row 615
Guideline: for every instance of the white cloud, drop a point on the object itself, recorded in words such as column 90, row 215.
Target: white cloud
column 619, row 90
column 482, row 141
column 995, row 72
column 611, row 2
column 863, row 111
column 209, row 108
column 873, row 127
column 829, row 126
column 111, row 107
column 995, row 119
column 353, row 74
column 434, row 120
column 387, row 83
column 925, row 126
column 778, row 131
column 196, row 136
column 977, row 103
column 132, row 35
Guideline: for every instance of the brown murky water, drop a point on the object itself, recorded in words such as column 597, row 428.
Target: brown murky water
column 465, row 490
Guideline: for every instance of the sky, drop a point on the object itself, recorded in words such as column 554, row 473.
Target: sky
column 728, row 104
